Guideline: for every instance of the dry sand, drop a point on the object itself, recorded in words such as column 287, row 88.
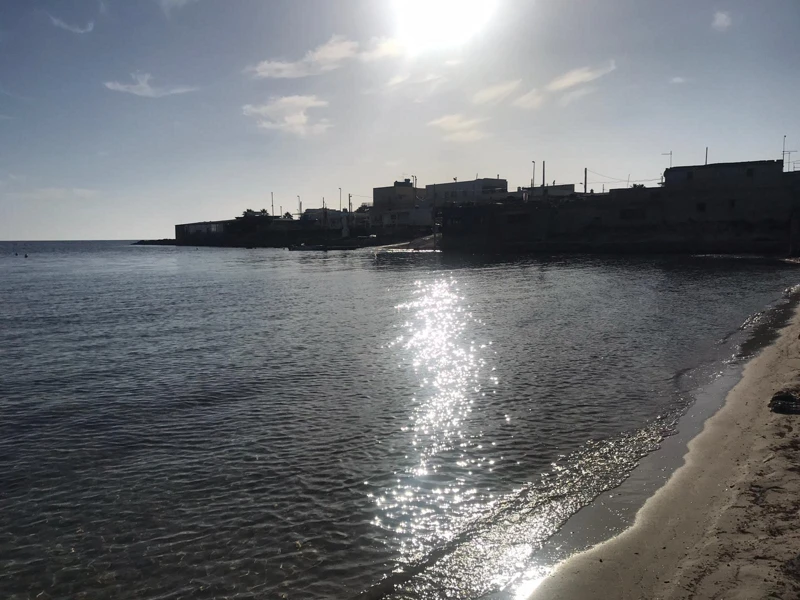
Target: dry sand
column 727, row 523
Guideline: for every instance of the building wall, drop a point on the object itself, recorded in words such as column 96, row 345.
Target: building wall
column 325, row 218
column 206, row 229
column 477, row 191
column 420, row 216
column 400, row 196
column 566, row 189
column 754, row 173
column 726, row 219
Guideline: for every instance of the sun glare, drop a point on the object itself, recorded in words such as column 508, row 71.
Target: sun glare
column 426, row 25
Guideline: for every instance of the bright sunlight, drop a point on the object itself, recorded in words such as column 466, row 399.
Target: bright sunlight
column 426, row 25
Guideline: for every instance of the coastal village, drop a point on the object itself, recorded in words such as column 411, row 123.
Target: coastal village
column 737, row 207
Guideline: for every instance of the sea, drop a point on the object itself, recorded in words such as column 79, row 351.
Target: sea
column 180, row 422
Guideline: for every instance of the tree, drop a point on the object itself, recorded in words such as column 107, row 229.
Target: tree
column 247, row 212
column 638, row 185
column 264, row 212
column 288, row 215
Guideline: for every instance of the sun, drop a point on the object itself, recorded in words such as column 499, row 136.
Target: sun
column 428, row 25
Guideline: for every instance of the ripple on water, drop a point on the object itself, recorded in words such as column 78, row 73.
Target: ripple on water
column 237, row 423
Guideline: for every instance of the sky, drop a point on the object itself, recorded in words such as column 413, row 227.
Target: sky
column 121, row 118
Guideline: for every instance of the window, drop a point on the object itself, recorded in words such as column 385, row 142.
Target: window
column 701, row 207
column 750, row 172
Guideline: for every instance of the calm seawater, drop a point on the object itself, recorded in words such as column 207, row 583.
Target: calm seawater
column 222, row 423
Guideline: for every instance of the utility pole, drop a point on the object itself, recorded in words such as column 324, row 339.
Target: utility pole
column 629, row 179
column 544, row 170
column 340, row 199
column 783, row 155
column 670, row 157
column 281, row 212
column 299, row 205
column 350, row 202
column 533, row 175
column 706, row 154
column 272, row 199
column 585, row 178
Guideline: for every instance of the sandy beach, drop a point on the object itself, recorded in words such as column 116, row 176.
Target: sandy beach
column 725, row 524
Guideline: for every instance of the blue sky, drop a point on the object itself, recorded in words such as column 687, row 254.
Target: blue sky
column 120, row 118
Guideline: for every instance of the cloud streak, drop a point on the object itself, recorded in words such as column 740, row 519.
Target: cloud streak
column 289, row 114
column 496, row 93
column 416, row 88
column 579, row 76
column 142, row 87
column 574, row 95
column 722, row 21
column 382, row 48
column 530, row 101
column 327, row 57
column 71, row 28
column 458, row 128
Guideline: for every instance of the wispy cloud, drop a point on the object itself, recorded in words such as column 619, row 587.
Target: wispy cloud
column 142, row 87
column 169, row 5
column 678, row 80
column 530, row 101
column 73, row 28
column 54, row 194
column 382, row 48
column 579, row 76
column 496, row 93
column 417, row 88
column 398, row 79
column 327, row 57
column 330, row 56
column 289, row 114
column 722, row 21
column 458, row 128
column 574, row 95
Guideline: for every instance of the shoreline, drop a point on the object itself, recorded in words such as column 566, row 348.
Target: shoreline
column 723, row 523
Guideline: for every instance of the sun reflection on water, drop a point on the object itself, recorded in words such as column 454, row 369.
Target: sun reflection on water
column 432, row 495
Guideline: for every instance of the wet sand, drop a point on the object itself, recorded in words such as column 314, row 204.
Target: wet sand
column 725, row 524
